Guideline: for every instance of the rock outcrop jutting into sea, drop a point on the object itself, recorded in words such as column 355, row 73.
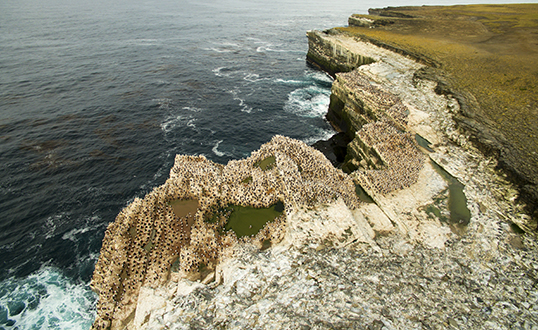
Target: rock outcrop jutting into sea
column 178, row 230
column 417, row 230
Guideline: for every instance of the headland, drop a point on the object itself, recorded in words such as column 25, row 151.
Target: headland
column 415, row 228
column 485, row 56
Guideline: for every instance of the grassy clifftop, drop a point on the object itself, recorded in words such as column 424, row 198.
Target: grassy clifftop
column 490, row 51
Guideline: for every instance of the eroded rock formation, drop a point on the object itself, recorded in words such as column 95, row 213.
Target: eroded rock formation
column 154, row 240
column 332, row 57
column 397, row 260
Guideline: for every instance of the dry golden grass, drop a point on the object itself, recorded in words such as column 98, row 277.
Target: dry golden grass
column 490, row 51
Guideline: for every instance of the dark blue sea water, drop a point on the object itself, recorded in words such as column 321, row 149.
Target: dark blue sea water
column 96, row 98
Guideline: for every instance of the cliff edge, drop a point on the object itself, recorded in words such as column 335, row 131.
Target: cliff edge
column 420, row 231
column 485, row 56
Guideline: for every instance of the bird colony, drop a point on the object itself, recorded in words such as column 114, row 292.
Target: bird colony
column 177, row 230
column 386, row 154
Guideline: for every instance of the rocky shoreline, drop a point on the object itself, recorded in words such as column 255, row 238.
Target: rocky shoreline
column 333, row 57
column 451, row 41
column 420, row 230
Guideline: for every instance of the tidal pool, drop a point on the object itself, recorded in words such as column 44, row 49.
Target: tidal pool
column 362, row 195
column 247, row 221
column 457, row 202
column 183, row 208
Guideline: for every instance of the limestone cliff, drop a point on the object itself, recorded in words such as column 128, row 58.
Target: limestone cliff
column 422, row 232
column 332, row 57
column 355, row 101
column 179, row 230
column 485, row 57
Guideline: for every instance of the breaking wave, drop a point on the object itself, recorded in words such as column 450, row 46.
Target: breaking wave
column 311, row 101
column 46, row 300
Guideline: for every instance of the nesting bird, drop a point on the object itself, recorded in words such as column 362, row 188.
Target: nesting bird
column 150, row 245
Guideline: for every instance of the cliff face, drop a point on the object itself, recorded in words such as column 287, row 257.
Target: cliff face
column 356, row 104
column 362, row 108
column 331, row 56
column 422, row 232
column 484, row 56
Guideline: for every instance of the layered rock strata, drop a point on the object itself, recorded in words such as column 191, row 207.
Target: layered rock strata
column 372, row 94
column 484, row 56
column 395, row 261
column 374, row 119
column 332, row 57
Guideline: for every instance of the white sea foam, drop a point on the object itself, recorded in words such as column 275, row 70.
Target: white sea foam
column 252, row 77
column 53, row 222
column 216, row 150
column 47, row 300
column 144, row 42
column 217, row 72
column 11, row 245
column 229, row 44
column 33, row 248
column 242, row 104
column 291, row 81
column 269, row 47
column 73, row 233
column 224, row 71
column 311, row 101
column 163, row 170
column 231, row 73
column 262, row 49
column 225, row 47
column 163, row 103
column 319, row 134
column 193, row 109
column 319, row 76
column 219, row 50
column 174, row 121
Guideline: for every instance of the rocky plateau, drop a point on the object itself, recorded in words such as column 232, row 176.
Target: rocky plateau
column 416, row 229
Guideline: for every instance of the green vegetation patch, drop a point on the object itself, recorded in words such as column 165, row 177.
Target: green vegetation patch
column 267, row 163
column 248, row 221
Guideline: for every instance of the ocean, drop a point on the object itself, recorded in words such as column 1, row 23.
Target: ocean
column 96, row 99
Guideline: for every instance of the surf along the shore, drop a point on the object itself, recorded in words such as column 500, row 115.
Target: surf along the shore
column 327, row 232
